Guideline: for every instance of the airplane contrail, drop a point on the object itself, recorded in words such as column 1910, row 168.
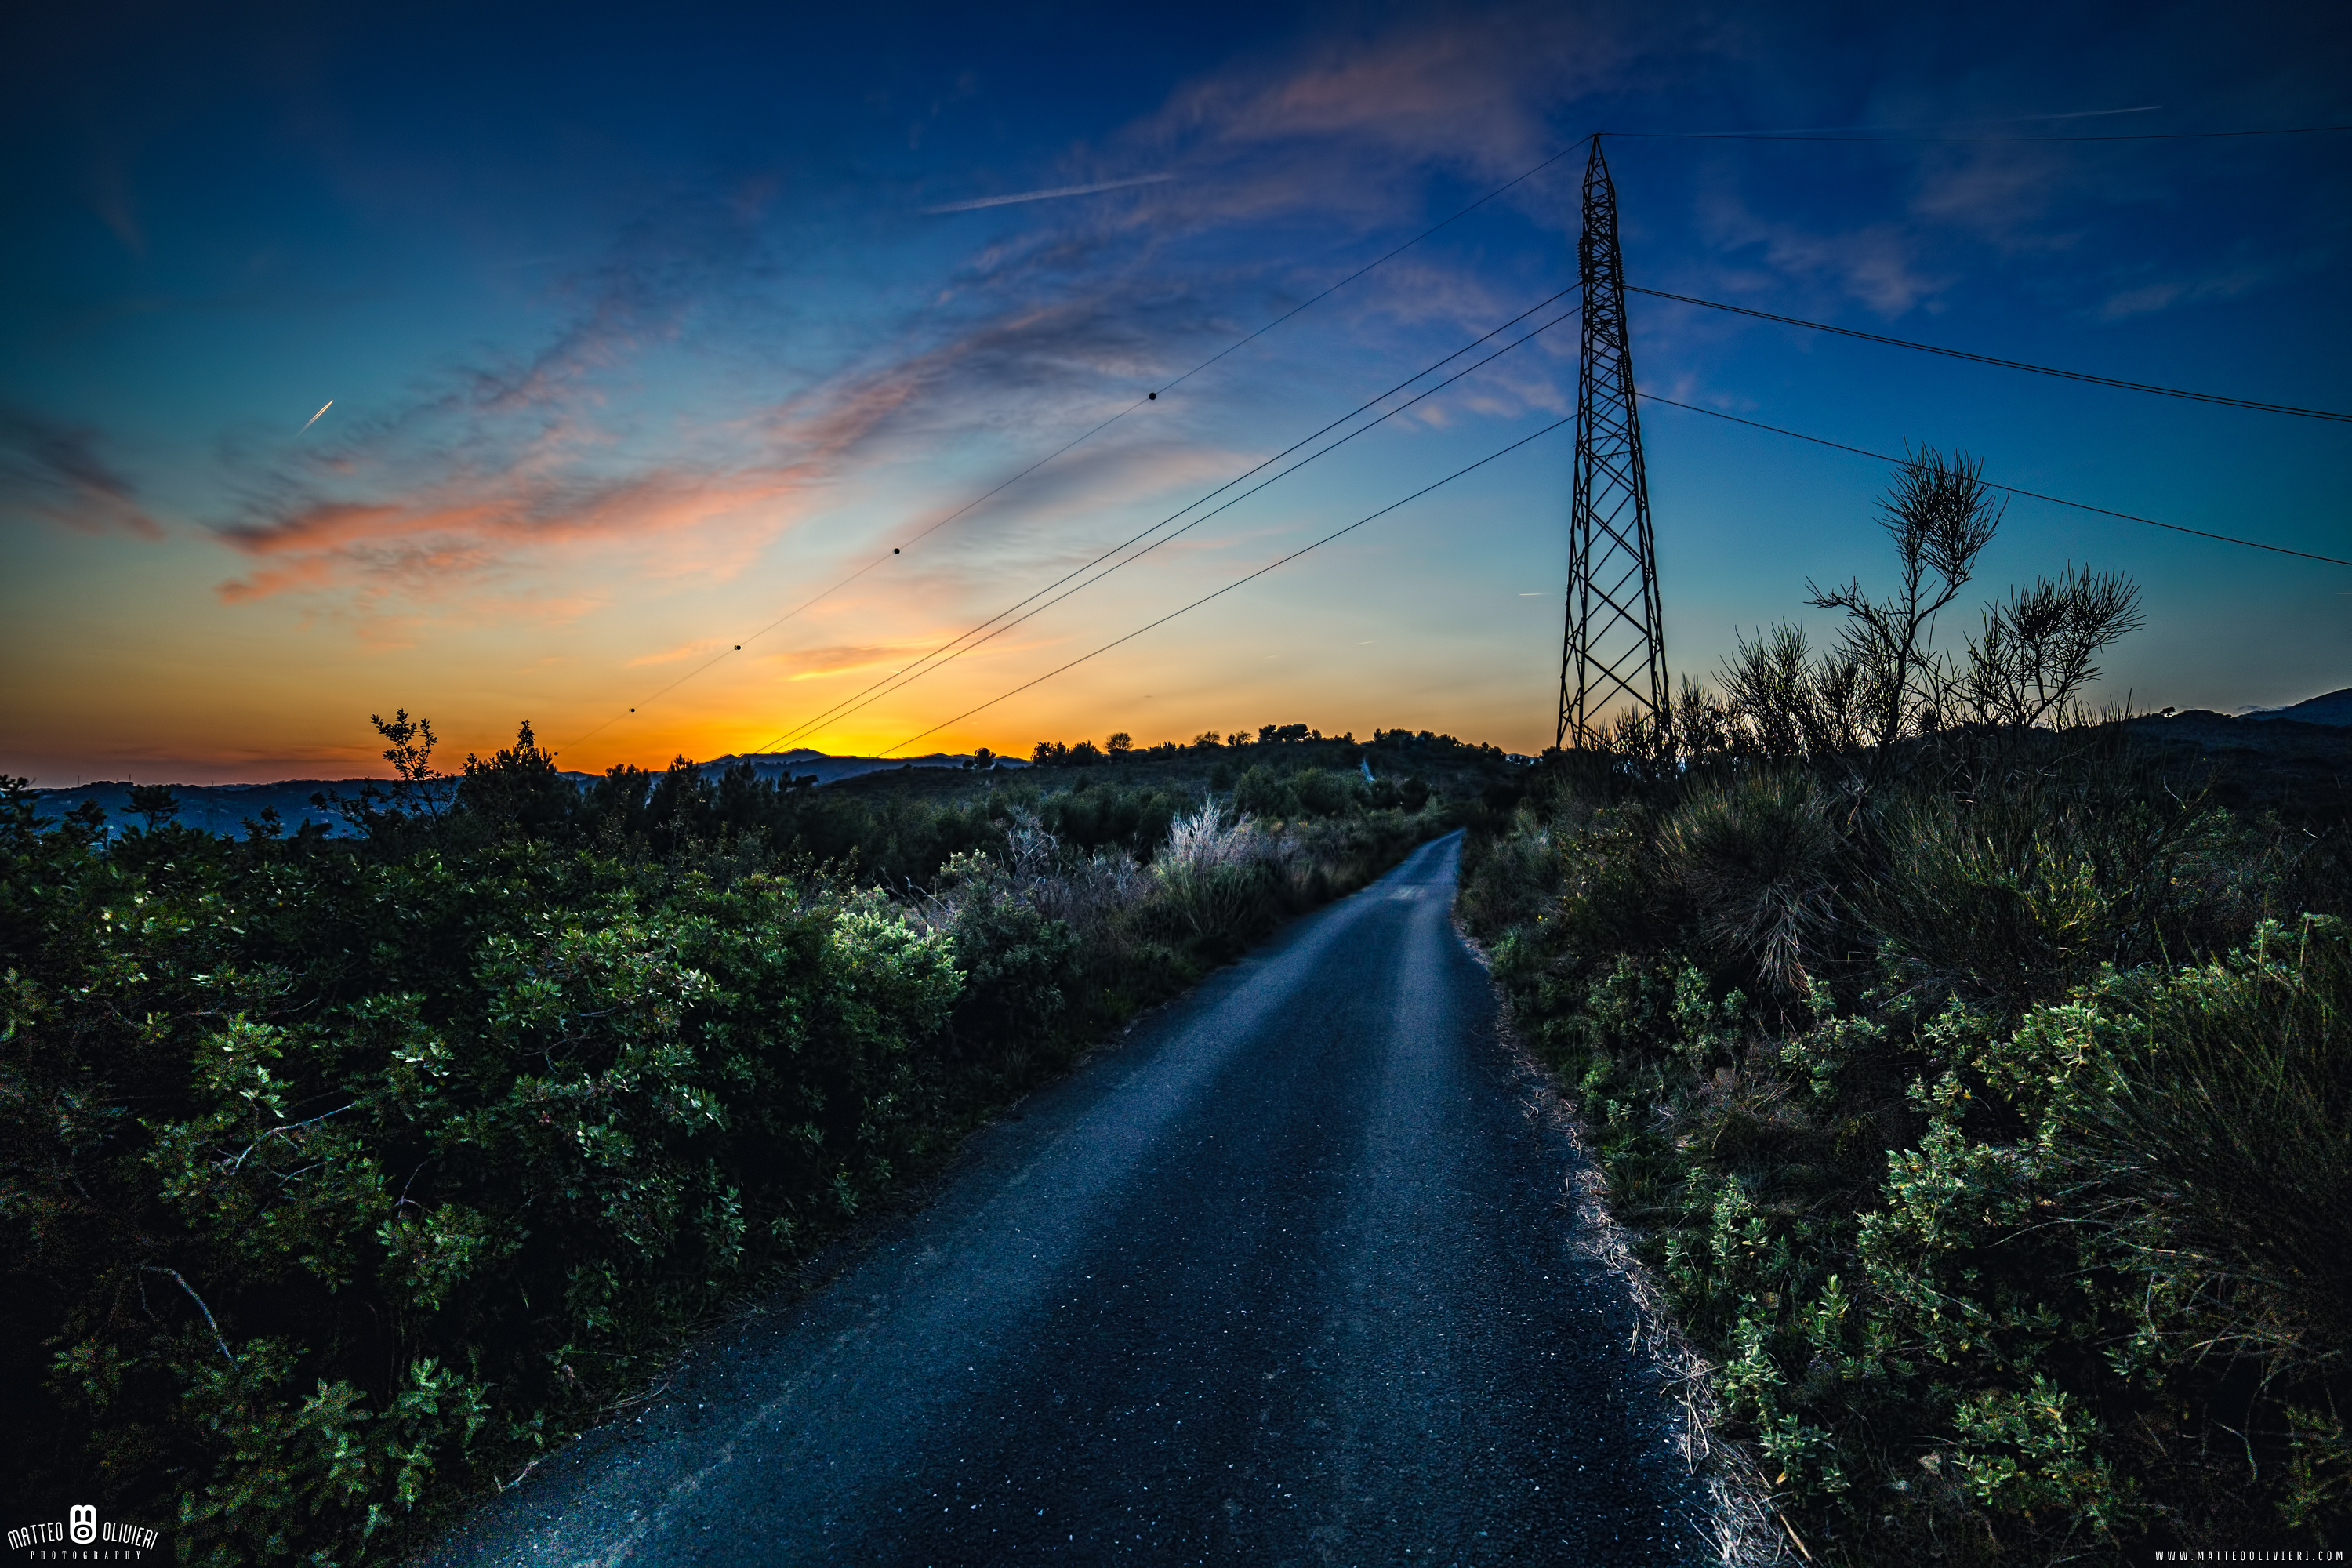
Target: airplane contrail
column 314, row 418
column 1046, row 196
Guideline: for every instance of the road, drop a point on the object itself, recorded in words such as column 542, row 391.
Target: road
column 1285, row 1277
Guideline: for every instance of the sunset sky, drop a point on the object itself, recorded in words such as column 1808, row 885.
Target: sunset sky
column 642, row 327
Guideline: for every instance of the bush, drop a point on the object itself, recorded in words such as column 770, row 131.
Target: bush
column 345, row 1177
column 1262, row 792
column 1019, row 964
column 609, row 1108
column 1755, row 855
column 2212, row 1109
column 2017, row 1233
column 2026, row 886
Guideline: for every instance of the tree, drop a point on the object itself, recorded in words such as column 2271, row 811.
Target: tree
column 408, row 747
column 156, row 803
column 1118, row 746
column 983, row 759
column 1886, row 680
column 1208, row 740
column 519, row 785
column 1941, row 514
column 2033, row 656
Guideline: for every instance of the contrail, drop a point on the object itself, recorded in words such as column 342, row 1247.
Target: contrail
column 314, row 418
column 1048, row 195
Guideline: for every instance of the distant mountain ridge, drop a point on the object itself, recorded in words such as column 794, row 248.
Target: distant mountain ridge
column 2333, row 707
column 227, row 808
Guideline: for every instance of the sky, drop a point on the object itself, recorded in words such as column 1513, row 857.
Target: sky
column 586, row 366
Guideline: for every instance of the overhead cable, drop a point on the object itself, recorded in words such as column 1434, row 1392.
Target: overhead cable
column 896, row 685
column 2010, row 490
column 1368, row 404
column 1236, row 583
column 2129, row 136
column 1150, row 396
column 2004, row 363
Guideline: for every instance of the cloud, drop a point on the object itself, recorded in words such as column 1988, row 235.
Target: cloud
column 2221, row 283
column 113, row 199
column 424, row 546
column 603, row 439
column 54, row 472
column 1876, row 264
column 1469, row 92
column 854, row 659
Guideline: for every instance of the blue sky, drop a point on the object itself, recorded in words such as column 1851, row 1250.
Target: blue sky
column 641, row 329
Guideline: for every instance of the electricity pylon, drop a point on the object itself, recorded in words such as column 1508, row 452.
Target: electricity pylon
column 1615, row 649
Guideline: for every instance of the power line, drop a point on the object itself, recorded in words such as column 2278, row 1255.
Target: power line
column 1236, row 583
column 817, row 719
column 887, row 681
column 877, row 561
column 1236, row 501
column 2005, row 364
column 2012, row 489
column 1098, row 429
column 2131, row 136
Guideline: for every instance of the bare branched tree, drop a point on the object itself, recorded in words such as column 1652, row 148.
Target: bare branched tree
column 2034, row 656
column 1886, row 680
column 1941, row 515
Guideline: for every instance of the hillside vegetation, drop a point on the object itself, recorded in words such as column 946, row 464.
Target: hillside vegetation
column 344, row 1177
column 1977, row 1087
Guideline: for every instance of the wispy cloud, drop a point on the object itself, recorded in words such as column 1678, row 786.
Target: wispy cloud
column 2195, row 286
column 54, row 472
column 1877, row 265
column 433, row 545
column 508, row 465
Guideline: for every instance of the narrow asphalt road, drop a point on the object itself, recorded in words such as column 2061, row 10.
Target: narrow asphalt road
column 1284, row 1278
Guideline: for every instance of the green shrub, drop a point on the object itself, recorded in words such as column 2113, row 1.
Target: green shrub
column 2207, row 1117
column 610, row 1115
column 1262, row 792
column 1019, row 964
column 341, row 1178
column 1756, row 855
column 2019, row 1236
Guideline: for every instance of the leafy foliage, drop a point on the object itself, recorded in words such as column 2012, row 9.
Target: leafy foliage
column 343, row 1177
column 1977, row 1085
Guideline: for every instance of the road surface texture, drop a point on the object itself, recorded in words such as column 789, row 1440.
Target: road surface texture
column 1287, row 1276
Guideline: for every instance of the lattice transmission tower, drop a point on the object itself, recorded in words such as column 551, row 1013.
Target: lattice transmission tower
column 1615, row 649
